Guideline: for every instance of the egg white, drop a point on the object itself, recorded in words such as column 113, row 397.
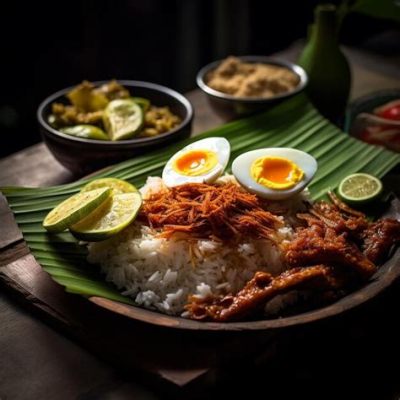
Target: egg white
column 220, row 146
column 241, row 169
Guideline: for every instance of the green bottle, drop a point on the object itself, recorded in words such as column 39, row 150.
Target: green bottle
column 327, row 68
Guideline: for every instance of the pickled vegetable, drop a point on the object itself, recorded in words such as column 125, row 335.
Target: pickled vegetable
column 86, row 132
column 123, row 119
column 86, row 98
column 142, row 102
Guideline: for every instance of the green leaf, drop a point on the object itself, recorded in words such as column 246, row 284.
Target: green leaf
column 386, row 9
column 294, row 123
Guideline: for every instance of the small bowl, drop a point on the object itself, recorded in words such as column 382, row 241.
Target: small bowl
column 362, row 123
column 82, row 155
column 367, row 103
column 231, row 106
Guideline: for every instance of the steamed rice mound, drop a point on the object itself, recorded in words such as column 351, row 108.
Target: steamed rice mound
column 160, row 273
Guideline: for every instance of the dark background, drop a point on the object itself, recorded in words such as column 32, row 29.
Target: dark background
column 47, row 46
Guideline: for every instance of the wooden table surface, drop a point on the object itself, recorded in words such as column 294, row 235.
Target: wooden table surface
column 37, row 362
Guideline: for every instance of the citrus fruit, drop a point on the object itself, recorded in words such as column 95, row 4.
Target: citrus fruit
column 86, row 132
column 142, row 102
column 123, row 119
column 359, row 188
column 118, row 186
column 86, row 98
column 73, row 209
column 109, row 219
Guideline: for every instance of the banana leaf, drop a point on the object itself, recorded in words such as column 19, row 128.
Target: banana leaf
column 294, row 123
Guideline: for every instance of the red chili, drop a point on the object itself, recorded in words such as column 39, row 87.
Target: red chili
column 392, row 113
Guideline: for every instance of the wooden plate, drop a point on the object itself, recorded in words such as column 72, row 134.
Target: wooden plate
column 382, row 279
column 11, row 239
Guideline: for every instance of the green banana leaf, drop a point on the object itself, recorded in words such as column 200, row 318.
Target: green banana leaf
column 386, row 9
column 294, row 123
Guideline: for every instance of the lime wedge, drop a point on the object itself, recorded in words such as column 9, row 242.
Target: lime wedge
column 85, row 131
column 118, row 186
column 73, row 209
column 359, row 188
column 109, row 219
column 123, row 119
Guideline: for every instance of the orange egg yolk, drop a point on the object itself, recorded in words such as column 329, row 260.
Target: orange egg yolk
column 276, row 172
column 195, row 162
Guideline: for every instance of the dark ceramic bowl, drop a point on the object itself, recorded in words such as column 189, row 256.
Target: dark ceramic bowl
column 231, row 106
column 86, row 155
column 367, row 103
column 362, row 123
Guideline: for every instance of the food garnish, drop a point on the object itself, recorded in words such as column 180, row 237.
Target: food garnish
column 74, row 209
column 202, row 210
column 123, row 119
column 117, row 186
column 142, row 102
column 360, row 188
column 85, row 131
column 274, row 173
column 109, row 219
column 201, row 161
column 101, row 209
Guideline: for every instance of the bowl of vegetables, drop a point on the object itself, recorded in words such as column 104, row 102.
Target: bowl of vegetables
column 95, row 124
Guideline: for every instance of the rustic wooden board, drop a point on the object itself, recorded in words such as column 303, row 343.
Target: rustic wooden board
column 174, row 358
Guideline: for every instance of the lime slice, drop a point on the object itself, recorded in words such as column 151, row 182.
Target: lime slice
column 109, row 219
column 85, row 131
column 73, row 209
column 123, row 119
column 118, row 186
column 359, row 188
column 142, row 102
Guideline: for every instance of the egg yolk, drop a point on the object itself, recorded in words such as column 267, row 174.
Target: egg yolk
column 276, row 172
column 195, row 162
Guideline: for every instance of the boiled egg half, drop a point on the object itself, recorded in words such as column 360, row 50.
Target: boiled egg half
column 199, row 162
column 274, row 173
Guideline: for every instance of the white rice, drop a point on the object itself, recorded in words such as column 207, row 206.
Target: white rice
column 161, row 273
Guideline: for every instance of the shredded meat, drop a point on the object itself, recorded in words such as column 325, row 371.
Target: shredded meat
column 336, row 232
column 331, row 237
column 379, row 238
column 224, row 212
column 344, row 207
column 339, row 216
column 321, row 244
column 261, row 288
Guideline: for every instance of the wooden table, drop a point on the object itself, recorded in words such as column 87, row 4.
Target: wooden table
column 38, row 362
